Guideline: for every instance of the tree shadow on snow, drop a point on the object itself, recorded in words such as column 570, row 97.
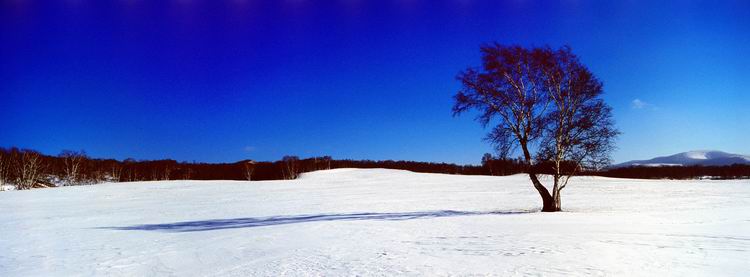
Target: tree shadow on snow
column 251, row 222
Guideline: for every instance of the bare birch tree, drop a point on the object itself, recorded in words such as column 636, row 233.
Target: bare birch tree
column 290, row 168
column 249, row 168
column 187, row 174
column 579, row 130
column 3, row 169
column 327, row 161
column 540, row 99
column 116, row 172
column 72, row 161
column 167, row 172
column 28, row 169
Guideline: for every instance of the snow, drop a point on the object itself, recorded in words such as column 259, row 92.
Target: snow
column 697, row 155
column 655, row 164
column 377, row 222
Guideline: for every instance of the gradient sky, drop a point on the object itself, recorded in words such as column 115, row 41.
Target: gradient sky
column 220, row 81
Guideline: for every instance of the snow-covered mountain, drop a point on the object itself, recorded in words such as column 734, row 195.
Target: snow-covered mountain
column 697, row 157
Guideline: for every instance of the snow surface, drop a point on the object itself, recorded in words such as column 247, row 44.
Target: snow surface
column 377, row 222
column 697, row 155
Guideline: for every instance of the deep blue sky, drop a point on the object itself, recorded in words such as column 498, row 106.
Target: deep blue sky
column 228, row 80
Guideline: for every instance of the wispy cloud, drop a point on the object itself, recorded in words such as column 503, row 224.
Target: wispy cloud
column 249, row 148
column 638, row 104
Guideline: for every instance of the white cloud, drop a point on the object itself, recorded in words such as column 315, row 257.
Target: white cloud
column 249, row 148
column 638, row 104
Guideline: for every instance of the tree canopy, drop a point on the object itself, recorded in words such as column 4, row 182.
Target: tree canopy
column 542, row 100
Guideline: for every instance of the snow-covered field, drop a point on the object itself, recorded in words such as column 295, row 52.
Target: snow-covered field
column 377, row 222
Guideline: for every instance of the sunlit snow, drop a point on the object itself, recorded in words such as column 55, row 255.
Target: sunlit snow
column 377, row 222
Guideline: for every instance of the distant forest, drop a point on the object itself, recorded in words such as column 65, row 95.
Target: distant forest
column 26, row 169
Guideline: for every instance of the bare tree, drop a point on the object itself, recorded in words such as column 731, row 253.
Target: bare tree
column 132, row 175
column 187, row 173
column 72, row 161
column 322, row 163
column 116, row 172
column 290, row 168
column 28, row 169
column 167, row 173
column 3, row 169
column 327, row 161
column 249, row 168
column 97, row 176
column 541, row 99
column 580, row 130
column 487, row 162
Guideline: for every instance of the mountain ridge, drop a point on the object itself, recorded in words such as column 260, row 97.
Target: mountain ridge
column 694, row 157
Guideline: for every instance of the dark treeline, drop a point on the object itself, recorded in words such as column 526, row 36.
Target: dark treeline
column 736, row 171
column 26, row 169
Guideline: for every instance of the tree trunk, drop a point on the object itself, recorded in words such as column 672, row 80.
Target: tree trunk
column 548, row 202
column 556, row 199
column 556, row 192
